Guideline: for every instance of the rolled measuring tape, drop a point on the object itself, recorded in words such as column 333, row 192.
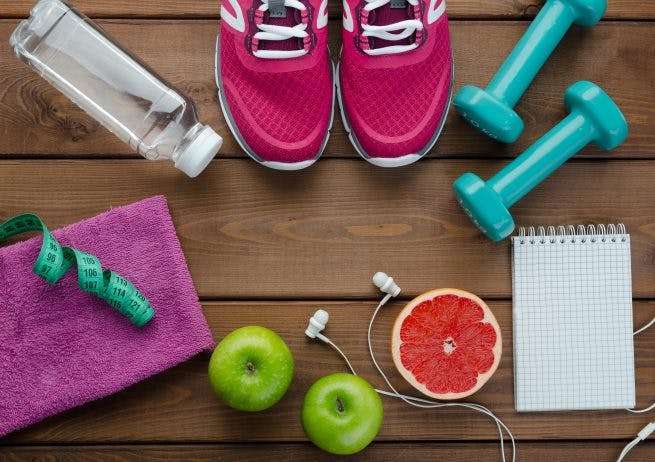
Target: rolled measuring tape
column 55, row 260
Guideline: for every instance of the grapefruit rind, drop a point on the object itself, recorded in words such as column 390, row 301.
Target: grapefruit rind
column 396, row 343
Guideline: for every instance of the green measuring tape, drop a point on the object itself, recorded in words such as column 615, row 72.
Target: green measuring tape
column 54, row 261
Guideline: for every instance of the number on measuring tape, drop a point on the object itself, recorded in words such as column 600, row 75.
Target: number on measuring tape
column 54, row 261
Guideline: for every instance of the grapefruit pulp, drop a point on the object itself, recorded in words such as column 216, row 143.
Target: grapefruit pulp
column 446, row 343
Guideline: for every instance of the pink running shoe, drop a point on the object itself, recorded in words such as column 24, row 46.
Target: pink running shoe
column 275, row 79
column 395, row 77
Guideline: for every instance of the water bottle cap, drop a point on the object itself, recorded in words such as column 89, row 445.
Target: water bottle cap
column 199, row 152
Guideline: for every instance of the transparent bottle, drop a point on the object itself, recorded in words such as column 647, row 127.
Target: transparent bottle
column 78, row 58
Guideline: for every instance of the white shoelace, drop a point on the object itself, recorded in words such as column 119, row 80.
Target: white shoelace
column 392, row 32
column 277, row 33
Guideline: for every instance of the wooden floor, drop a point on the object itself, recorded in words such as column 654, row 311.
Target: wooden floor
column 267, row 247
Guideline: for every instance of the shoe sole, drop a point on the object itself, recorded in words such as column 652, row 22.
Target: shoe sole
column 239, row 138
column 391, row 162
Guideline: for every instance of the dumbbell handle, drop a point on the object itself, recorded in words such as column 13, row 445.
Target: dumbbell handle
column 543, row 158
column 531, row 52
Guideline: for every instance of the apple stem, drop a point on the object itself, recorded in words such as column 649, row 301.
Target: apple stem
column 340, row 406
column 250, row 368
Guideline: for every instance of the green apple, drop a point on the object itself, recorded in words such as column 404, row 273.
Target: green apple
column 342, row 413
column 251, row 369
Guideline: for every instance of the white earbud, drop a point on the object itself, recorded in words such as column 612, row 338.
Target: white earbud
column 317, row 324
column 386, row 284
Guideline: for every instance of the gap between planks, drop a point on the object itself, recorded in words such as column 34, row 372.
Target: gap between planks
column 209, row 9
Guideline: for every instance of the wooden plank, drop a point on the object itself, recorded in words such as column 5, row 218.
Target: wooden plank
column 36, row 120
column 552, row 451
column 179, row 405
column 457, row 9
column 250, row 232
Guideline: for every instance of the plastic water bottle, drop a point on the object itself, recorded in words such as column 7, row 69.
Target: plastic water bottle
column 76, row 57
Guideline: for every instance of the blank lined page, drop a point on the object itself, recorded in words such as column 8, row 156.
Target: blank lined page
column 572, row 316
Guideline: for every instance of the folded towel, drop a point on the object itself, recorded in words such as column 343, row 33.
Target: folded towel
column 61, row 347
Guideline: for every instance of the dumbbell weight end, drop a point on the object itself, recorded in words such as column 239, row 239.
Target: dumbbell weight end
column 484, row 206
column 489, row 114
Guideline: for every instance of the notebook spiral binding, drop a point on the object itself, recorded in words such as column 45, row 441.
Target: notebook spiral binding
column 572, row 234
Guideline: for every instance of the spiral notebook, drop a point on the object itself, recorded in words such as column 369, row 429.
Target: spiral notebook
column 572, row 318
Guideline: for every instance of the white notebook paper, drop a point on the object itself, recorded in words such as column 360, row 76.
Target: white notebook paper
column 572, row 319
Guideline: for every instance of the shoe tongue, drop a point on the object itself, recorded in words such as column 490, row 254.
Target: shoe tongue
column 393, row 12
column 276, row 9
column 280, row 15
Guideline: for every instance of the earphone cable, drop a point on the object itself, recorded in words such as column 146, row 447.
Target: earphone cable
column 644, row 327
column 429, row 404
column 412, row 401
column 641, row 411
column 652, row 406
column 627, row 449
column 343, row 355
column 641, row 436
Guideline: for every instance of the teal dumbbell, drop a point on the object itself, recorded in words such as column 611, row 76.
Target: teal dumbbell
column 491, row 110
column 593, row 117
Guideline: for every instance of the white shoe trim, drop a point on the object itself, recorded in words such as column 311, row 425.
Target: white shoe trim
column 389, row 162
column 392, row 161
column 289, row 166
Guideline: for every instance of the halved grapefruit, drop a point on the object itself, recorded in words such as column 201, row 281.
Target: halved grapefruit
column 446, row 343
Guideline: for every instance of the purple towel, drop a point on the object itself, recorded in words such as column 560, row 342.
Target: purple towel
column 61, row 347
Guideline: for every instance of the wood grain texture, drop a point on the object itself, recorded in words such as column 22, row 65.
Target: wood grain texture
column 250, row 232
column 36, row 120
column 258, row 236
column 504, row 9
column 552, row 451
column 179, row 405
